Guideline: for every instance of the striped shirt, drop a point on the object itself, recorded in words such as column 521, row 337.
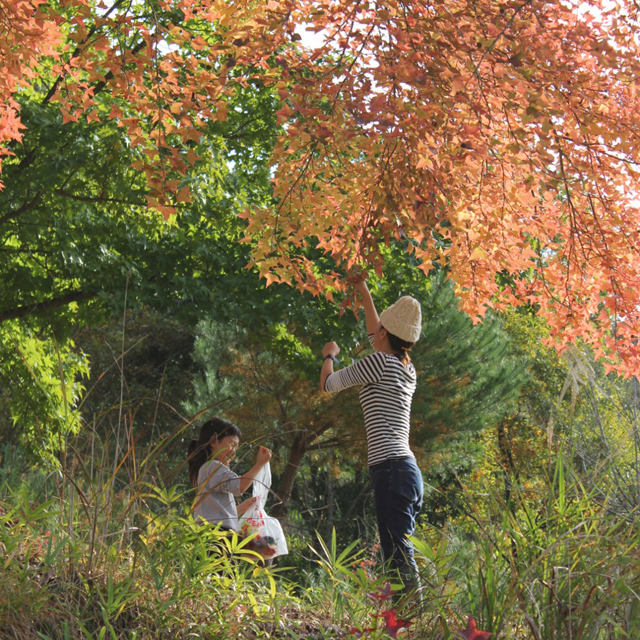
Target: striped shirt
column 385, row 397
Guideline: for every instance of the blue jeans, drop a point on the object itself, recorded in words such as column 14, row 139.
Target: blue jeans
column 398, row 491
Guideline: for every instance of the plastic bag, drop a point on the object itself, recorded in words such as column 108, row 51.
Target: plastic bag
column 269, row 540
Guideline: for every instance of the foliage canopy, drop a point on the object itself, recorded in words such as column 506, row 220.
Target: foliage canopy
column 501, row 139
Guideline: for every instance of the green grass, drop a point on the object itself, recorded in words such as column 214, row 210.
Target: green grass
column 79, row 561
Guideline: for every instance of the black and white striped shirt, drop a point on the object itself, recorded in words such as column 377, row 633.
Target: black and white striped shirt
column 385, row 397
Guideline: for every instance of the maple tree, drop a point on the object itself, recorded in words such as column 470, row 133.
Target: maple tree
column 25, row 36
column 86, row 159
column 499, row 138
column 168, row 68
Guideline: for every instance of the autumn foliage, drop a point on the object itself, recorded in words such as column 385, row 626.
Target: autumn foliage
column 168, row 68
column 25, row 37
column 500, row 138
column 497, row 139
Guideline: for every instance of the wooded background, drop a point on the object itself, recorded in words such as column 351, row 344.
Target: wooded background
column 186, row 187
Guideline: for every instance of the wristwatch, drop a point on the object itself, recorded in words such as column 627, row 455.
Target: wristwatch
column 335, row 360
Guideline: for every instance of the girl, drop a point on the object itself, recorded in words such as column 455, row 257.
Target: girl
column 216, row 484
column 388, row 380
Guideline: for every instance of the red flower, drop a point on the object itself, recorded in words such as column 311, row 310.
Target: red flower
column 393, row 624
column 472, row 632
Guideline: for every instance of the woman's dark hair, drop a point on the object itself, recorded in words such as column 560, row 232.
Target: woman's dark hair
column 401, row 348
column 200, row 449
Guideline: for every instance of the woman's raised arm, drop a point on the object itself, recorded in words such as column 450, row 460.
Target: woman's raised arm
column 370, row 314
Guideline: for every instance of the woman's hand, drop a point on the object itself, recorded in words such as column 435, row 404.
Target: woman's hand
column 263, row 456
column 359, row 283
column 330, row 349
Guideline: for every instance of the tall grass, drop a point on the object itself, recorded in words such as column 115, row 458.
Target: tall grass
column 104, row 547
column 562, row 567
column 84, row 561
column 76, row 566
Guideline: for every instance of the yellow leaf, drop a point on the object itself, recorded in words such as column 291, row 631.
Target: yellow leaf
column 478, row 254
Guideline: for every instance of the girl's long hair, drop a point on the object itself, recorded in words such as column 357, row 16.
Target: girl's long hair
column 200, row 449
column 401, row 348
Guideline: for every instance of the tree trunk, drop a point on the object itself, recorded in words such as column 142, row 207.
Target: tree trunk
column 296, row 452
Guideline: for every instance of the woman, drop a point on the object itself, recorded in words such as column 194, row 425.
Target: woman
column 388, row 380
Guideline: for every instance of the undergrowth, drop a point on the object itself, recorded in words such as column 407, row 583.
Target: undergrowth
column 79, row 561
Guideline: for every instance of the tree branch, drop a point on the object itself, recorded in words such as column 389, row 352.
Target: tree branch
column 73, row 196
column 78, row 49
column 46, row 305
column 504, row 30
column 20, row 210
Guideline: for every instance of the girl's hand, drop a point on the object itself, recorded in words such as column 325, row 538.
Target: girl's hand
column 244, row 506
column 263, row 456
column 330, row 349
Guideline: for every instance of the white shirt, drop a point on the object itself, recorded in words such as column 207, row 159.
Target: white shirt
column 217, row 486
